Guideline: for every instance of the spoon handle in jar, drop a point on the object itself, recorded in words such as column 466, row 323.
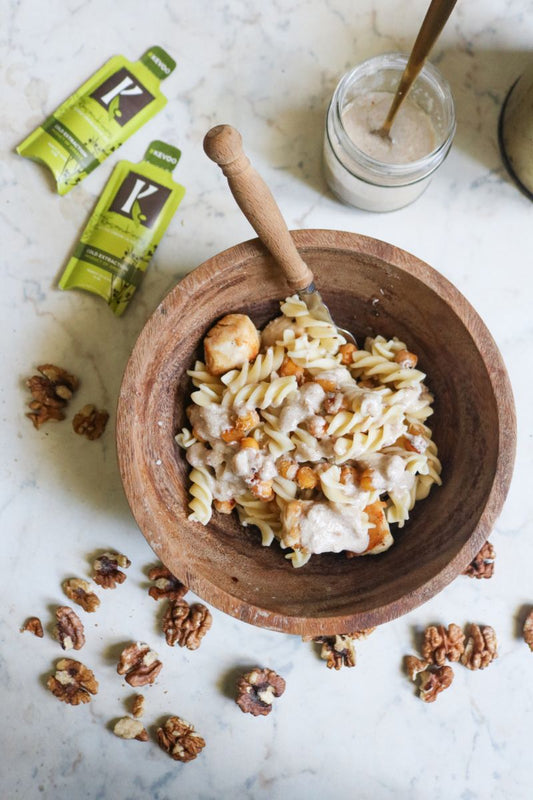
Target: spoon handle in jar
column 223, row 145
column 434, row 21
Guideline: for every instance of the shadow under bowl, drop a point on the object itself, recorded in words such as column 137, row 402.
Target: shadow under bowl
column 371, row 288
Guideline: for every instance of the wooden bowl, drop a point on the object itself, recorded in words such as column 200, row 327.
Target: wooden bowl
column 371, row 287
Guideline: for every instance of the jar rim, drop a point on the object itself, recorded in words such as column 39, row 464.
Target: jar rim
column 422, row 166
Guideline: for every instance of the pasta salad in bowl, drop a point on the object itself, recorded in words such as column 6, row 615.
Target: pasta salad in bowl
column 315, row 443
column 300, row 488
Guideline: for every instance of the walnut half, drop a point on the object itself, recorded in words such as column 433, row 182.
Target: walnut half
column 139, row 664
column 69, row 629
column 79, row 591
column 414, row 666
column 186, row 625
column 73, row 682
column 106, row 572
column 339, row 651
column 441, row 644
column 166, row 585
column 257, row 689
column 90, row 422
column 433, row 682
column 482, row 566
column 50, row 391
column 481, row 647
column 432, row 679
column 178, row 738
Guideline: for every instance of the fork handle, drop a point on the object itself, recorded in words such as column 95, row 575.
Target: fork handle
column 223, row 145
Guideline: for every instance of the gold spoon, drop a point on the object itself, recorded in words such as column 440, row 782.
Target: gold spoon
column 434, row 21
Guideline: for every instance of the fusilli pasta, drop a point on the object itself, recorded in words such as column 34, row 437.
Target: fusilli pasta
column 315, row 443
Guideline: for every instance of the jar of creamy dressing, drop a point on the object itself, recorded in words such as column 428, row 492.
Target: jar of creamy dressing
column 366, row 171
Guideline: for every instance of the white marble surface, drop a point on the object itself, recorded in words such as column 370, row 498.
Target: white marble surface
column 269, row 69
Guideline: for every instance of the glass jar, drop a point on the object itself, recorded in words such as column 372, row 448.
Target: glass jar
column 362, row 180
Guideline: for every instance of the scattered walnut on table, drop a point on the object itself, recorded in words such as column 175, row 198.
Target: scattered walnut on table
column 128, row 728
column 433, row 682
column 482, row 566
column 106, row 572
column 414, row 666
column 179, row 739
column 257, row 689
column 69, row 629
column 481, row 647
column 50, row 391
column 166, row 585
column 186, row 625
column 33, row 625
column 139, row 664
column 338, row 651
column 79, row 591
column 441, row 644
column 73, row 682
column 137, row 707
column 90, row 422
column 528, row 630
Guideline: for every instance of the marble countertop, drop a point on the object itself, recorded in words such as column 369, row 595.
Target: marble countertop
column 269, row 69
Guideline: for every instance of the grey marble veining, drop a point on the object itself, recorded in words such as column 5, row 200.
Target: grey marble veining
column 269, row 69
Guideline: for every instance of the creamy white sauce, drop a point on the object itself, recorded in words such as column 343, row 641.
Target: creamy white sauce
column 235, row 471
column 325, row 527
column 388, row 472
column 301, row 406
column 210, row 421
column 412, row 134
column 340, row 376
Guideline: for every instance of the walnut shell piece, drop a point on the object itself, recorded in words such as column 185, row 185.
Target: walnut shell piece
column 440, row 644
column 33, row 625
column 433, row 682
column 482, row 566
column 139, row 664
column 186, row 625
column 73, row 682
column 69, row 629
column 106, row 572
column 128, row 728
column 179, row 739
column 528, row 630
column 481, row 647
column 79, row 591
column 257, row 689
column 166, row 585
column 90, row 422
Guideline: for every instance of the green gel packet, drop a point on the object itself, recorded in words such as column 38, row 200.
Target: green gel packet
column 114, row 103
column 125, row 228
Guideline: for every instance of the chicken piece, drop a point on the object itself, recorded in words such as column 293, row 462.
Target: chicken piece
column 230, row 343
